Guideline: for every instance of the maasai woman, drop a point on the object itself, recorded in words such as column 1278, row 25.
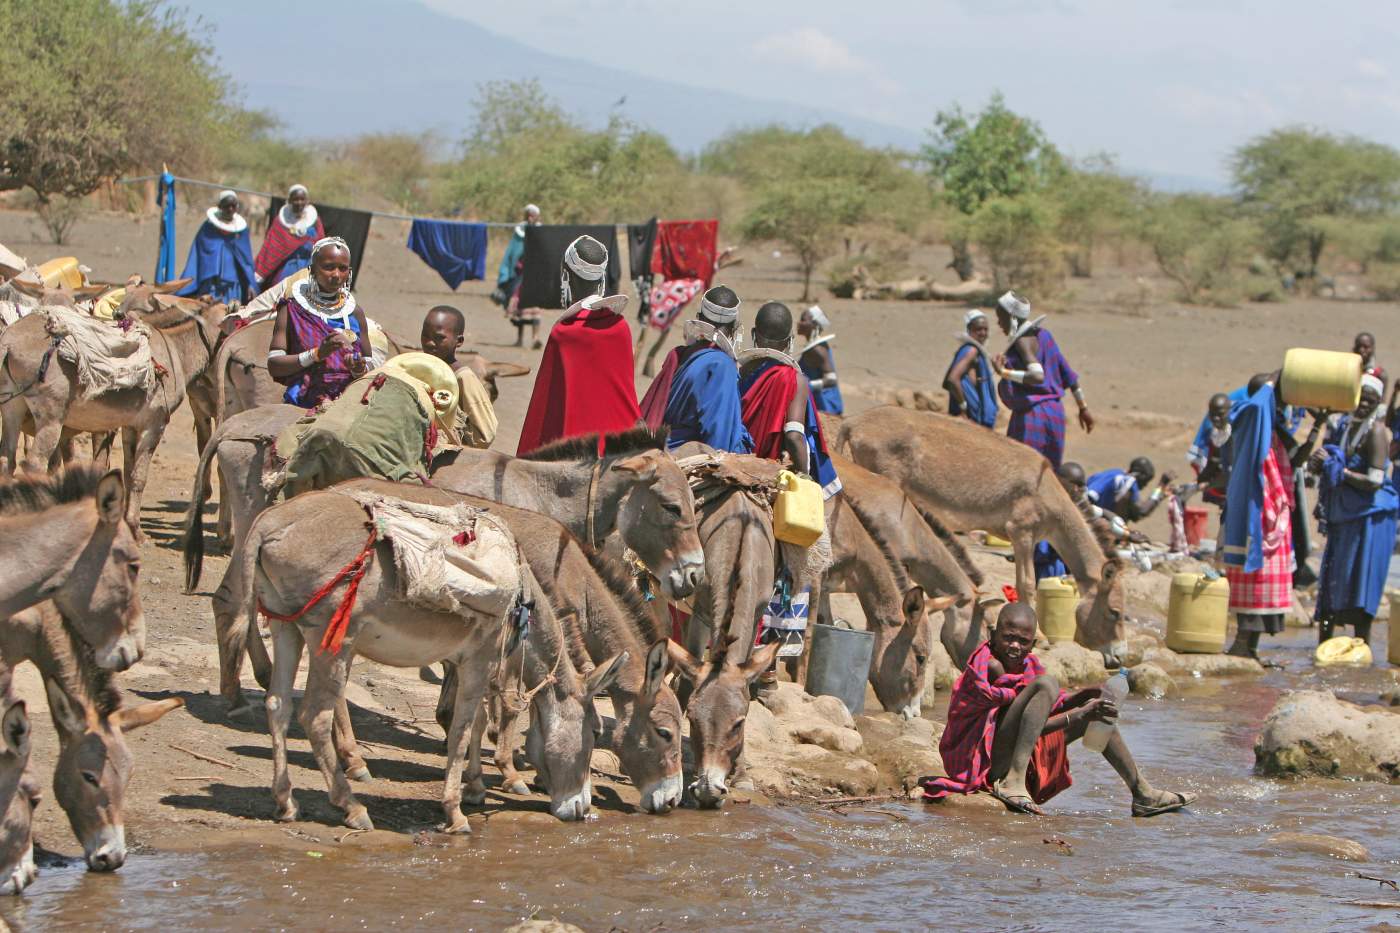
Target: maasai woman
column 1359, row 502
column 1257, row 536
column 290, row 236
column 971, row 392
column 512, row 271
column 1034, row 376
column 818, row 363
column 221, row 256
column 320, row 339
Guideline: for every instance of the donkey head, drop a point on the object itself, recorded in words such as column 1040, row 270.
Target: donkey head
column 657, row 520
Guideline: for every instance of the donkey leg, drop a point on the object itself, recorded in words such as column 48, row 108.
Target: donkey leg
column 287, row 646
column 507, row 732
column 347, row 749
column 145, row 448
column 471, row 685
column 11, row 429
column 1023, row 546
column 325, row 685
column 232, row 638
column 474, row 788
column 48, row 432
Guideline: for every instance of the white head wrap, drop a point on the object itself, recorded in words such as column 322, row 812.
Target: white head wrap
column 1015, row 306
column 588, row 271
column 227, row 193
column 295, row 188
column 1373, row 382
column 327, row 241
column 718, row 314
column 819, row 318
column 532, row 208
column 976, row 314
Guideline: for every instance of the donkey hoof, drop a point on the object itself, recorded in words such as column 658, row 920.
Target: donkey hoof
column 457, row 825
column 518, row 786
column 474, row 796
column 287, row 812
column 359, row 819
column 359, row 773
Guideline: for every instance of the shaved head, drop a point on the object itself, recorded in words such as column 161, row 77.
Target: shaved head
column 773, row 321
column 1071, row 472
column 1016, row 614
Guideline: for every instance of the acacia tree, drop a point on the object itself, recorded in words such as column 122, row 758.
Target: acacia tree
column 1297, row 181
column 973, row 158
column 96, row 88
column 1093, row 201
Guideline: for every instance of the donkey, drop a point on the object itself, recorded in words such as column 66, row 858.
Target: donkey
column 68, row 539
column 182, row 346
column 18, row 794
column 94, row 763
column 634, row 487
column 285, row 559
column 972, row 478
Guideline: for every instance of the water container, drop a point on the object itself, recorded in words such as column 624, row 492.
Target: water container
column 1097, row 734
column 1197, row 520
column 1343, row 650
column 1392, row 651
column 1056, row 598
column 61, row 273
column 1321, row 379
column 1198, row 612
column 997, row 541
column 798, row 515
column 839, row 665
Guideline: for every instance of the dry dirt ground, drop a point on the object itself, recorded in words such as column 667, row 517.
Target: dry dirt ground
column 1147, row 365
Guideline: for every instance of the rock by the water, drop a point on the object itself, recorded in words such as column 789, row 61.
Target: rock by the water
column 1313, row 732
column 903, row 749
column 1335, row 846
column 1149, row 680
column 1072, row 664
column 1204, row 665
column 543, row 926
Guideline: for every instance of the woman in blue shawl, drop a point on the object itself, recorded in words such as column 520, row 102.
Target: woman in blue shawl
column 1358, row 499
column 971, row 392
column 221, row 257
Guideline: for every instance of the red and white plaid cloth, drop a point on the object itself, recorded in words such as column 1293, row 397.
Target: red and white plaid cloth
column 1270, row 588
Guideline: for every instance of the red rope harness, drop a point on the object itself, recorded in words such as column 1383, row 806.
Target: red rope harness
column 340, row 620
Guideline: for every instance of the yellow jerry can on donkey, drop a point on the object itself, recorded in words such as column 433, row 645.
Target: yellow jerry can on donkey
column 1056, row 598
column 798, row 515
column 64, row 272
column 1198, row 612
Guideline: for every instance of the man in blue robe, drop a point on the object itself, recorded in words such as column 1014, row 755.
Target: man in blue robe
column 702, row 403
column 1120, row 491
column 221, row 257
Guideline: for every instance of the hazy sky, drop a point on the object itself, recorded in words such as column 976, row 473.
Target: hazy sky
column 1170, row 86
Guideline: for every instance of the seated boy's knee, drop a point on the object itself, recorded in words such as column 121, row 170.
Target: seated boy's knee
column 1046, row 683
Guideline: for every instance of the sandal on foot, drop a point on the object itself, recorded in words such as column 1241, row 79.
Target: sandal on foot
column 1016, row 803
column 1167, row 806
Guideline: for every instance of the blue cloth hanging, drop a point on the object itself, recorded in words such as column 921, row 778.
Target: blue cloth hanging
column 455, row 250
column 165, row 255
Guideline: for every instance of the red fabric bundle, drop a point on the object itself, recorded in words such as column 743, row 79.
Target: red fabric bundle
column 685, row 249
column 765, row 409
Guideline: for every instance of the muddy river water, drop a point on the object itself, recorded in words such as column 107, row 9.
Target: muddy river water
column 895, row 866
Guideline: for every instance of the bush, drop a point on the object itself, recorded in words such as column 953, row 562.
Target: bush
column 1383, row 279
column 1201, row 245
column 1016, row 236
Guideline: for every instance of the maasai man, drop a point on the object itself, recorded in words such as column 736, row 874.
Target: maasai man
column 1073, row 480
column 1257, row 530
column 1010, row 725
column 507, row 293
column 287, row 247
column 585, row 382
column 221, row 257
column 1359, row 502
column 971, row 392
column 1120, row 491
column 777, row 404
column 699, row 383
column 444, row 330
column 1034, row 376
column 817, row 362
column 320, row 340
column 1210, row 451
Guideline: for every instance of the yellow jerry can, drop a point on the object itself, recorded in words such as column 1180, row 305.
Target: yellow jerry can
column 1321, row 379
column 1344, row 649
column 1056, row 598
column 62, row 273
column 798, row 516
column 1198, row 612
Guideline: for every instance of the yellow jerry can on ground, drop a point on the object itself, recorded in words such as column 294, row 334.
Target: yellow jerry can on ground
column 1321, row 379
column 1198, row 613
column 1343, row 650
column 63, row 272
column 1392, row 651
column 798, row 516
column 1056, row 598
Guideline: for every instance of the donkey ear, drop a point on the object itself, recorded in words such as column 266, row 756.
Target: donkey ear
column 604, row 674
column 169, row 288
column 641, row 466
column 940, row 603
column 657, row 663
column 134, row 717
column 111, row 498
column 15, row 726
column 685, row 662
column 760, row 660
column 65, row 717
column 26, row 287
column 913, row 605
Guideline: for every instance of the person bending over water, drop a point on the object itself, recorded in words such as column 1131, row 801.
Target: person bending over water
column 1009, row 725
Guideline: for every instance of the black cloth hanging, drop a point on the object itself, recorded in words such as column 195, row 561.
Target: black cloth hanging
column 544, row 257
column 641, row 239
column 350, row 225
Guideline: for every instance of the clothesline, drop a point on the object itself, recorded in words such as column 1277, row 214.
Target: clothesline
column 264, row 194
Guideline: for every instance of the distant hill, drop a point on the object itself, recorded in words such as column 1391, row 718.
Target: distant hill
column 360, row 66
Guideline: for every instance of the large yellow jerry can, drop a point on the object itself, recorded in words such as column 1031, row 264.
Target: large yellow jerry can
column 798, row 516
column 1056, row 598
column 1198, row 612
column 61, row 273
column 1321, row 379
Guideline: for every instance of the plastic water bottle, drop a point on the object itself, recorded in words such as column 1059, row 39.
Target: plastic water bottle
column 1097, row 734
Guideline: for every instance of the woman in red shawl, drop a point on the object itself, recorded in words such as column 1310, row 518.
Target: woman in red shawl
column 1010, row 724
column 287, row 247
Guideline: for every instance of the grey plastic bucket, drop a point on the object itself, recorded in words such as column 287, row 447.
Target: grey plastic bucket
column 840, row 665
